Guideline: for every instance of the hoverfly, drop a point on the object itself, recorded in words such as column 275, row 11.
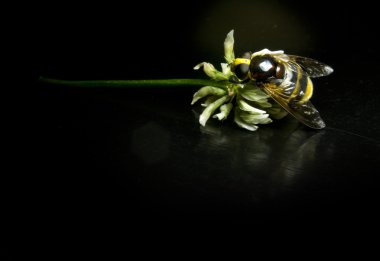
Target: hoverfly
column 286, row 79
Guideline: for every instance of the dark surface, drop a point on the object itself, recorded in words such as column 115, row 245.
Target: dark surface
column 110, row 155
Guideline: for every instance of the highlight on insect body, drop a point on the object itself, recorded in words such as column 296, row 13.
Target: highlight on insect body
column 265, row 85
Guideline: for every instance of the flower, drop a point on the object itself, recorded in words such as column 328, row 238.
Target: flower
column 252, row 105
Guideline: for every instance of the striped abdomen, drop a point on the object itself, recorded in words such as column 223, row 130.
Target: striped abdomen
column 296, row 85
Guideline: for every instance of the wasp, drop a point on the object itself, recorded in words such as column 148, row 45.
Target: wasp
column 286, row 79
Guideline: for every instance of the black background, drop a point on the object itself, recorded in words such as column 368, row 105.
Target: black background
column 107, row 156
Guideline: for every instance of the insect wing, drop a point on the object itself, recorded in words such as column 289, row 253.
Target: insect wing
column 312, row 67
column 304, row 112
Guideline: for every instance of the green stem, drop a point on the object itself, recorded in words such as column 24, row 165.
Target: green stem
column 137, row 83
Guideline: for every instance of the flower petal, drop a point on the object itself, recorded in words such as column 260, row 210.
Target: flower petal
column 225, row 110
column 253, row 93
column 211, row 109
column 263, row 104
column 267, row 51
column 243, row 124
column 255, row 118
column 243, row 105
column 211, row 72
column 277, row 112
column 229, row 47
column 226, row 69
column 209, row 100
column 205, row 91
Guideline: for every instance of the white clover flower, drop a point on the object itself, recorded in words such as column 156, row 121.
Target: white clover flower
column 253, row 106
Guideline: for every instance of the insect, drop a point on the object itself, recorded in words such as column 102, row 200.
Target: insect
column 285, row 78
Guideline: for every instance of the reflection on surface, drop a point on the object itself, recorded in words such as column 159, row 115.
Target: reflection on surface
column 188, row 169
column 287, row 153
column 268, row 162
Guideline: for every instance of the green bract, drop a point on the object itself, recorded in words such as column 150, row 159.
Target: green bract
column 252, row 105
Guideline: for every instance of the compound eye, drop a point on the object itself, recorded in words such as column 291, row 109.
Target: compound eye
column 241, row 67
column 280, row 71
column 262, row 67
column 241, row 71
